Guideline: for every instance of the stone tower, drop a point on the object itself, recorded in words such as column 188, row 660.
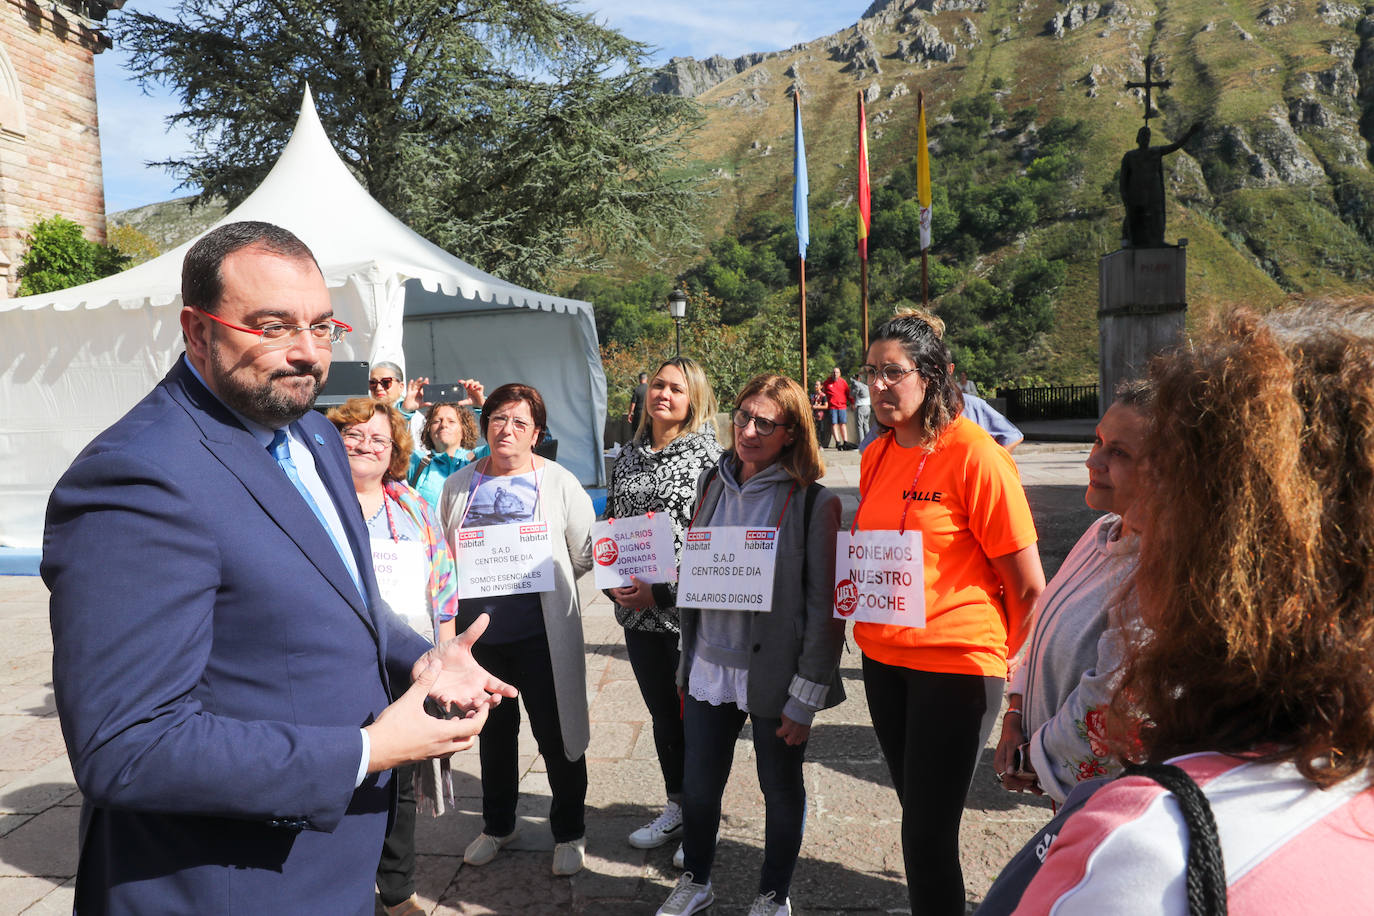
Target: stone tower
column 49, row 132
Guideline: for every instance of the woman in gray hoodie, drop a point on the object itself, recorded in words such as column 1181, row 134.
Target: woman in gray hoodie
column 776, row 665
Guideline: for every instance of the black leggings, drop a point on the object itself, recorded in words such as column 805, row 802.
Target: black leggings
column 526, row 666
column 654, row 658
column 931, row 728
column 396, row 869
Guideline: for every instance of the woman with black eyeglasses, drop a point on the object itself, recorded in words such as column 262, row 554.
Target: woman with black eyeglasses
column 777, row 663
column 939, row 488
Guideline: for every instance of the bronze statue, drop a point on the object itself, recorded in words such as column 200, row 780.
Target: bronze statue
column 1142, row 189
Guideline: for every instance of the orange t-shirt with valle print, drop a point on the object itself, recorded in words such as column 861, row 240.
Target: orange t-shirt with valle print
column 969, row 505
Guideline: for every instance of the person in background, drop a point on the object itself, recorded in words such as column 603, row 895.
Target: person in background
column 820, row 412
column 863, row 411
column 635, row 414
column 837, row 404
column 451, row 439
column 934, row 691
column 535, row 640
column 657, row 471
column 775, row 667
column 386, row 382
column 1059, row 695
column 406, row 539
column 1257, row 681
column 1002, row 430
column 415, row 408
column 966, row 385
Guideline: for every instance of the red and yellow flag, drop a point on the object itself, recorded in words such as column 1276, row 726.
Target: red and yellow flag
column 865, row 208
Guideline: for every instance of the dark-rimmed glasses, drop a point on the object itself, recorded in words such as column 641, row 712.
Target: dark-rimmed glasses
column 277, row 334
column 891, row 374
column 382, row 382
column 762, row 425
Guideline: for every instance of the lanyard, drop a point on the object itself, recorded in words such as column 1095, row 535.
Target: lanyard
column 906, row 503
column 477, row 482
column 390, row 522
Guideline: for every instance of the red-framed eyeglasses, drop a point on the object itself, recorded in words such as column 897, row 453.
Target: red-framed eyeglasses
column 278, row 334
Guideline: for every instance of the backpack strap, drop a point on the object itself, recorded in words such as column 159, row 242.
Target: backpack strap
column 1206, row 875
column 811, row 493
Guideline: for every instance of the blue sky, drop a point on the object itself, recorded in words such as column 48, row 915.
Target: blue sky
column 133, row 129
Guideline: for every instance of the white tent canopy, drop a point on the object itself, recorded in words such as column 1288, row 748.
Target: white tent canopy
column 71, row 362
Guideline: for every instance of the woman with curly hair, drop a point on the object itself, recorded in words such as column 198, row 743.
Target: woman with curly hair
column 1256, row 584
column 451, row 435
column 657, row 471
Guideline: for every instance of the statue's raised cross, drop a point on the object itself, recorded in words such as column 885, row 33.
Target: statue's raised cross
column 1150, row 83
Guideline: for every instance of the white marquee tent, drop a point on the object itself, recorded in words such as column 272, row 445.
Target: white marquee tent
column 73, row 361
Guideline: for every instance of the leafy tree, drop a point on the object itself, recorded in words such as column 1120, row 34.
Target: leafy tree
column 128, row 240
column 59, row 256
column 517, row 133
column 626, row 312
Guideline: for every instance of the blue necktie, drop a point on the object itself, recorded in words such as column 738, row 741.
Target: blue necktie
column 281, row 451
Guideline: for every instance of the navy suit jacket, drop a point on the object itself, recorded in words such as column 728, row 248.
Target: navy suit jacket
column 212, row 664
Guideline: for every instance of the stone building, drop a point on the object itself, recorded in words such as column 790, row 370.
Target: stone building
column 49, row 131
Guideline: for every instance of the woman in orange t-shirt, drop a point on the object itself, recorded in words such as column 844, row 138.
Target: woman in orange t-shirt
column 934, row 691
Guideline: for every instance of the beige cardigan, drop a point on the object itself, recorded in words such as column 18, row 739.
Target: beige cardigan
column 566, row 507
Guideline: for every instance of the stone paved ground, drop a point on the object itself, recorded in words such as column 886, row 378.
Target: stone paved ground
column 851, row 860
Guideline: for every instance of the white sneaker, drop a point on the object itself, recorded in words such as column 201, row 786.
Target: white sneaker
column 680, row 858
column 569, row 857
column 667, row 826
column 483, row 849
column 687, row 898
column 764, row 905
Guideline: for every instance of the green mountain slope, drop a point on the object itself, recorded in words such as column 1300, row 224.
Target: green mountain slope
column 1275, row 194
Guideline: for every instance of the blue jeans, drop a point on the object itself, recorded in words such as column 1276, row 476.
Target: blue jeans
column 711, row 732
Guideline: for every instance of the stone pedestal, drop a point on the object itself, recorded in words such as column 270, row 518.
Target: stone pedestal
column 1142, row 299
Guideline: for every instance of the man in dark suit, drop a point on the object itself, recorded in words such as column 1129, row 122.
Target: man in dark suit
column 223, row 665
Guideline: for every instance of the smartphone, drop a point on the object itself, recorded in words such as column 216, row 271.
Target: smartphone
column 438, row 393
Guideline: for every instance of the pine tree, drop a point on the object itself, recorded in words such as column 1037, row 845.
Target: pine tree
column 517, row 134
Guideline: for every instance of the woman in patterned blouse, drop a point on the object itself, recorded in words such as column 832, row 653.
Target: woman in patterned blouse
column 657, row 472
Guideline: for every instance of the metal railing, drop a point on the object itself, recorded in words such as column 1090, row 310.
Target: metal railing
column 1056, row 402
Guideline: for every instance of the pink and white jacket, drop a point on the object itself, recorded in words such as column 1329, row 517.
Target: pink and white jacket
column 1289, row 847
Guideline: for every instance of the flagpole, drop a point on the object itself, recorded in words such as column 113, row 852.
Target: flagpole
column 863, row 253
column 805, row 385
column 925, row 282
column 801, row 213
column 923, row 193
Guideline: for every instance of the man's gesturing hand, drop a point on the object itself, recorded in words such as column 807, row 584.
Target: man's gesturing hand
column 405, row 732
column 462, row 683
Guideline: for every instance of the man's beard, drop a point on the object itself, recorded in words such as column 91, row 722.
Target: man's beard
column 267, row 404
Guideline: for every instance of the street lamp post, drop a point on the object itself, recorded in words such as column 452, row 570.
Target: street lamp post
column 677, row 307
